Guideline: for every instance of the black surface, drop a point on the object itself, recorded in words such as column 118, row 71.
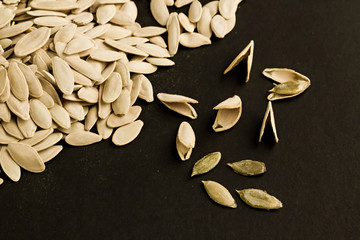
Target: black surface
column 143, row 190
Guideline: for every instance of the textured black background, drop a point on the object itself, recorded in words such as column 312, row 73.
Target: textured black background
column 143, row 190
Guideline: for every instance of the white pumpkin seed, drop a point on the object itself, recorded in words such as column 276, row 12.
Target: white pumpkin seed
column 105, row 13
column 117, row 121
column 15, row 30
column 49, row 141
column 227, row 8
column 12, row 128
column 75, row 110
column 173, row 28
column 63, row 74
column 26, row 157
column 6, row 15
column 186, row 135
column 213, row 7
column 60, row 116
column 32, row 41
column 149, row 31
column 51, row 21
column 84, row 68
column 204, row 24
column 5, row 138
column 54, row 5
column 82, row 138
column 159, row 11
column 40, row 114
column 106, row 55
column 89, row 94
column 78, row 45
column 33, row 83
column 9, row 166
column 194, row 40
column 126, row 134
column 181, row 3
column 49, row 153
column 158, row 40
column 219, row 26
column 5, row 114
column 112, row 88
column 18, row 84
column 185, row 22
column 103, row 129
column 122, row 104
column 141, row 67
column 195, row 11
column 17, row 107
column 125, row 47
column 26, row 127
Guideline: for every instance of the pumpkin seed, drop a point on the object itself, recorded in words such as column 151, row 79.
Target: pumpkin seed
column 185, row 22
column 173, row 28
column 26, row 157
column 194, row 40
column 40, row 114
column 257, row 198
column 179, row 104
column 248, row 167
column 219, row 194
column 206, row 163
column 159, row 11
column 9, row 166
column 181, row 3
column 126, row 134
column 195, row 11
column 269, row 112
column 32, row 41
column 229, row 113
column 49, row 141
column 49, row 153
column 82, row 138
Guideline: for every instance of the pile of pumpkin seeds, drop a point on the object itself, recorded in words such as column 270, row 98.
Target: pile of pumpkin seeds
column 68, row 65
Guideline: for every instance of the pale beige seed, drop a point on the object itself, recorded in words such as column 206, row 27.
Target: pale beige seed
column 50, row 89
column 122, row 104
column 54, row 5
column 26, row 127
column 133, row 40
column 5, row 43
column 78, row 45
column 169, row 3
column 83, row 5
column 32, row 41
column 181, row 3
column 146, row 90
column 50, row 153
column 75, row 127
column 81, row 79
column 41, row 13
column 33, row 83
column 38, row 137
column 257, row 198
column 18, row 84
column 83, row 18
column 47, row 100
column 84, row 68
column 103, row 129
column 97, row 31
column 4, row 80
column 89, row 94
column 160, row 62
column 40, row 114
column 49, row 141
column 91, row 118
column 4, row 96
column 230, row 24
column 118, row 121
column 75, row 110
column 17, row 107
column 206, row 163
column 125, row 47
column 26, row 157
column 41, row 65
column 248, row 167
column 194, row 40
column 15, row 30
column 173, row 28
column 185, row 22
column 213, row 7
column 219, row 194
column 219, row 26
column 109, row 69
column 141, row 67
column 204, row 24
column 82, row 138
column 51, row 21
column 106, row 55
column 86, row 28
column 269, row 112
column 229, row 113
column 116, row 32
column 149, row 31
column 195, row 11
column 136, row 87
column 122, row 18
column 9, row 166
column 158, row 40
column 175, row 98
column 153, row 50
column 5, row 138
column 227, row 8
column 126, row 134
column 12, row 128
column 60, row 116
column 6, row 15
column 159, row 11
column 247, row 52
column 112, row 88
column 5, row 114
column 105, row 13
column 124, row 72
column 63, row 74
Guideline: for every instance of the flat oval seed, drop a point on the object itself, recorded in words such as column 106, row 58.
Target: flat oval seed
column 186, row 135
column 257, row 198
column 40, row 114
column 78, row 45
column 75, row 110
column 195, row 11
column 118, row 121
column 84, row 68
column 159, row 11
column 173, row 28
column 89, row 94
column 206, row 163
column 26, row 127
column 122, row 104
column 51, row 21
column 54, row 5
column 9, row 166
column 63, row 75
column 6, row 15
column 105, row 13
column 82, row 138
column 185, row 22
column 17, row 107
column 219, row 26
column 26, row 156
column 38, row 137
column 32, row 41
column 49, row 153
column 60, row 116
column 112, row 88
column 15, row 30
column 34, row 85
column 6, row 138
column 194, row 40
column 126, row 134
column 219, row 194
column 4, row 80
column 12, row 128
column 18, row 84
column 204, row 24
column 5, row 114
column 227, row 8
column 248, row 167
column 49, row 141
column 149, row 31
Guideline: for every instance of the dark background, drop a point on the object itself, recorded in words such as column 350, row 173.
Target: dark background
column 143, row 190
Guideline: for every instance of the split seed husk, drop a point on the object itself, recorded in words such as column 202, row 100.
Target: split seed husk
column 179, row 104
column 219, row 194
column 248, row 53
column 257, row 198
column 269, row 112
column 248, row 167
column 206, row 164
column 229, row 113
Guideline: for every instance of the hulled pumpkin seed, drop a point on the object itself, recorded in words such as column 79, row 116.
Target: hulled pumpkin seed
column 206, row 164
column 219, row 194
column 248, row 167
column 257, row 198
